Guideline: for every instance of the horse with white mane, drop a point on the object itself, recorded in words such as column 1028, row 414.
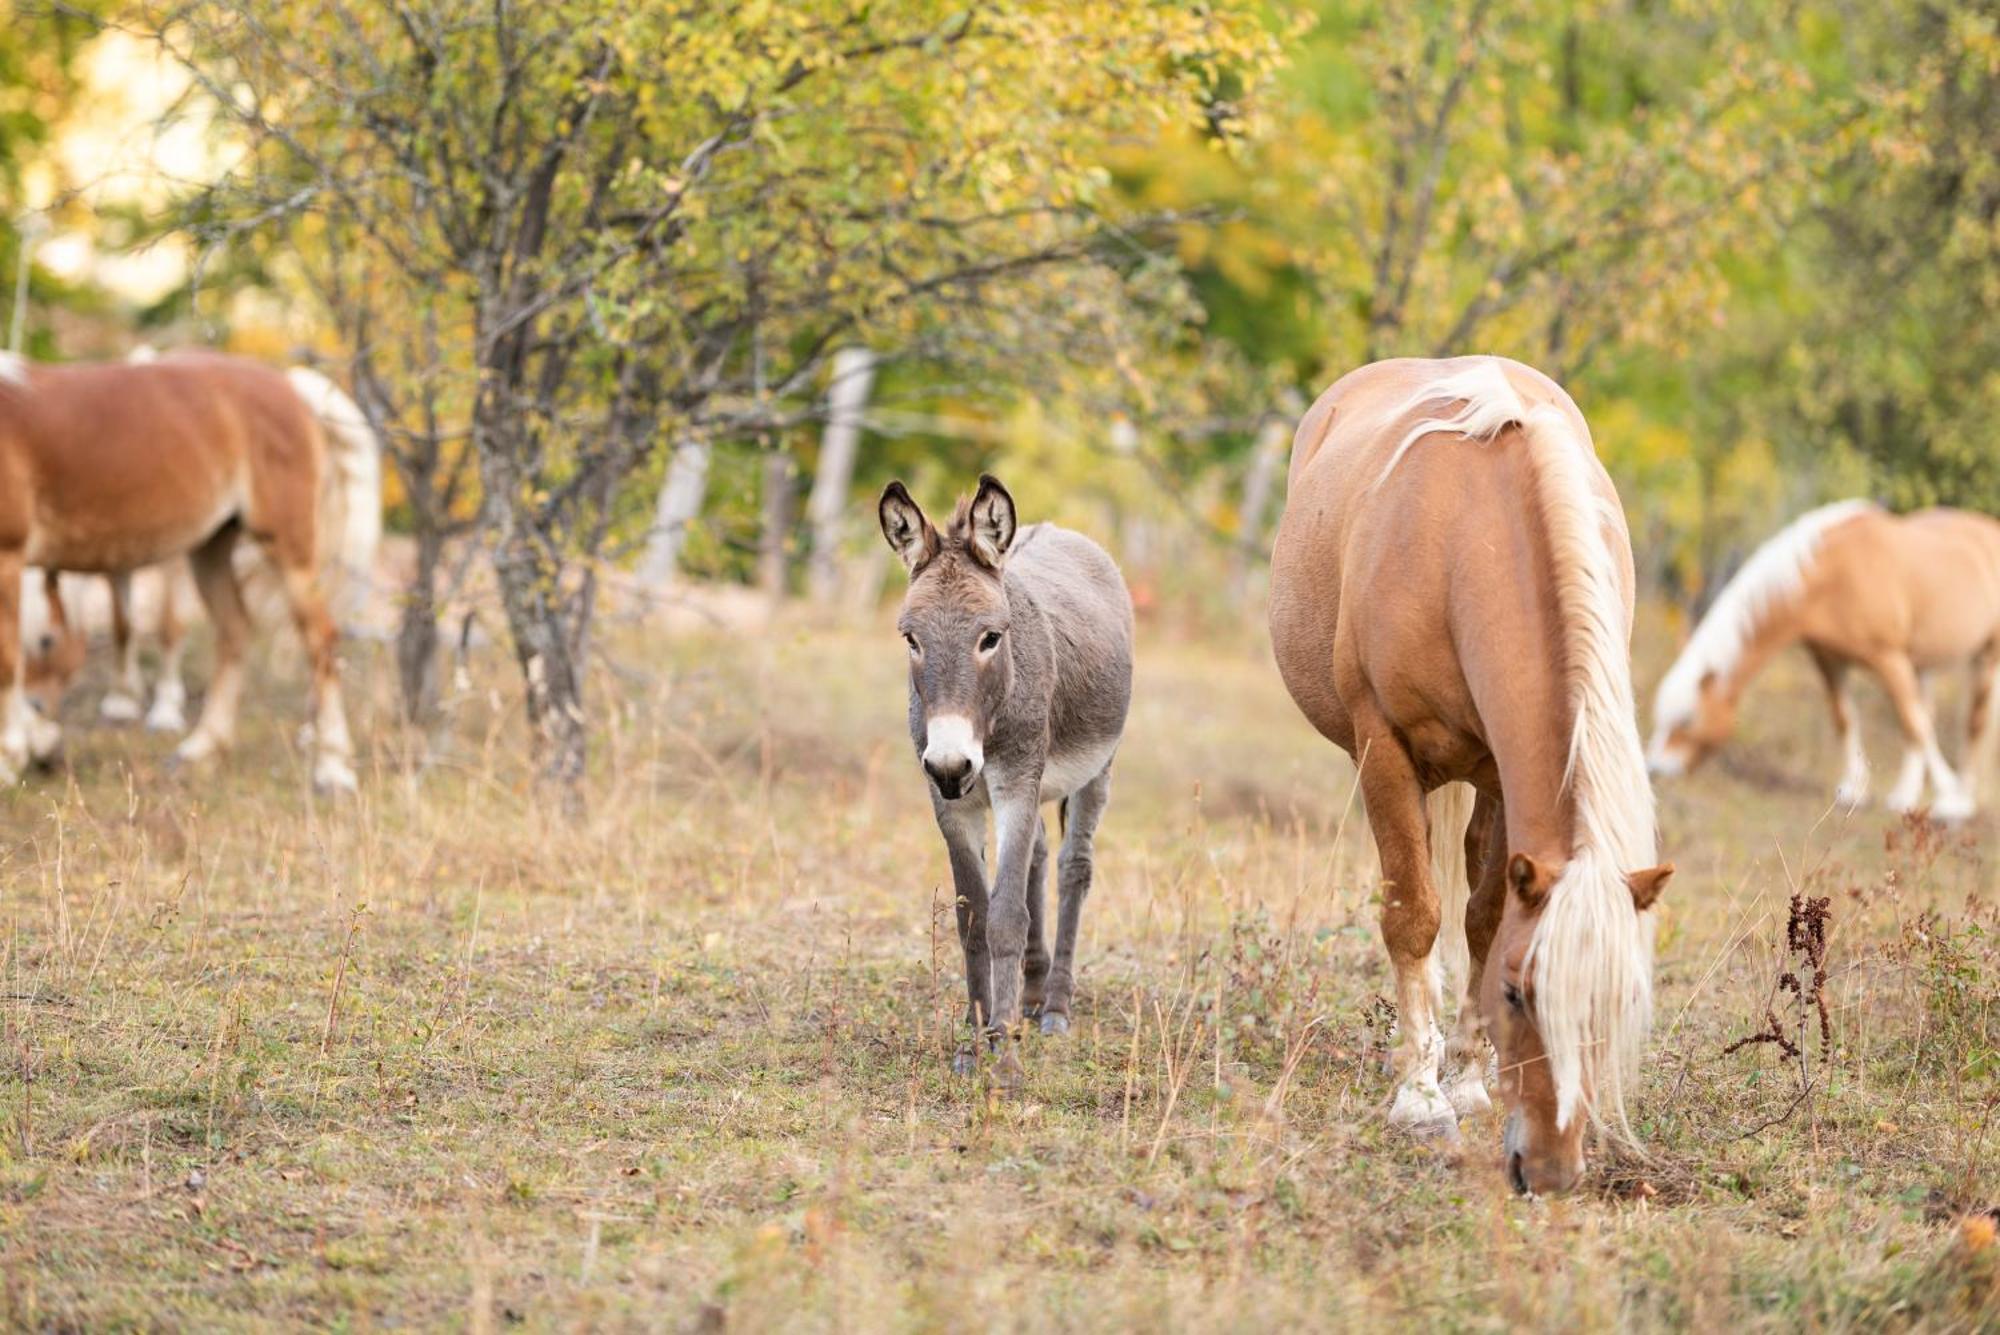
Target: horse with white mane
column 1902, row 596
column 111, row 467
column 1451, row 603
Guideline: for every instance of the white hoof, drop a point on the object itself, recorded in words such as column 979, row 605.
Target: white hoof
column 1903, row 801
column 1422, row 1110
column 331, row 774
column 166, row 716
column 44, row 737
column 1466, row 1091
column 1851, row 796
column 118, row 707
column 1952, row 808
column 197, row 748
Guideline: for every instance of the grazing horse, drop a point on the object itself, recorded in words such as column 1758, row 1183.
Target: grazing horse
column 1451, row 603
column 1902, row 596
column 1020, row 676
column 108, row 468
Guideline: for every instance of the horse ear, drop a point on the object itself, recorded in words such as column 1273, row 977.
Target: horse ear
column 910, row 535
column 1646, row 885
column 1529, row 880
column 992, row 518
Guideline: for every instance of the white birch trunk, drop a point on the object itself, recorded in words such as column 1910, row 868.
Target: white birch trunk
column 826, row 511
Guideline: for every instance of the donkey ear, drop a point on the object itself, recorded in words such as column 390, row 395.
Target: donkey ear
column 992, row 516
column 1646, row 885
column 1529, row 880
column 910, row 535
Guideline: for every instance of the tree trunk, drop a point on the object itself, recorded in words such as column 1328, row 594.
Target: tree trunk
column 1272, row 439
column 679, row 505
column 781, row 483
column 846, row 397
column 417, row 635
column 548, row 645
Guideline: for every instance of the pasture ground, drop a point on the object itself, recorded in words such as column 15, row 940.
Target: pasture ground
column 432, row 1058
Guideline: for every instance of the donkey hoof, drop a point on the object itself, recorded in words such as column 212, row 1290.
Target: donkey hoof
column 1054, row 1024
column 1007, row 1075
column 965, row 1062
column 118, row 707
column 331, row 774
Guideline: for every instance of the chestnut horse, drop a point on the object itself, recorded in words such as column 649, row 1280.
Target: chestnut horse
column 110, row 467
column 1902, row 596
column 1451, row 603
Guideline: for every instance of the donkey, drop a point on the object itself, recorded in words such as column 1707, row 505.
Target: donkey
column 1020, row 650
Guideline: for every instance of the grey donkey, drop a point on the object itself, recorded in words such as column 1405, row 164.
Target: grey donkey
column 1020, row 648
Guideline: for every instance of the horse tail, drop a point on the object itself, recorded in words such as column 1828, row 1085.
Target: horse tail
column 1450, row 811
column 351, row 499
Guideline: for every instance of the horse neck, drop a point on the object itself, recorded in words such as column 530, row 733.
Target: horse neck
column 1777, row 631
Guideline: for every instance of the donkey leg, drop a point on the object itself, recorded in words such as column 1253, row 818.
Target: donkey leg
column 122, row 703
column 169, row 711
column 1486, row 863
column 1853, row 789
column 1410, row 917
column 1035, row 961
column 215, row 577
column 1907, row 691
column 1016, row 816
column 1075, row 864
column 963, row 824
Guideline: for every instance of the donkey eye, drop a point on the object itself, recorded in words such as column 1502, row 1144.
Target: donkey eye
column 911, row 640
column 989, row 642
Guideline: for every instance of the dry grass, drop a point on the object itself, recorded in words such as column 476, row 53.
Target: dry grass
column 432, row 1058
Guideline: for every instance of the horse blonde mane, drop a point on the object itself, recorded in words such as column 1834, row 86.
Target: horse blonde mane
column 1774, row 575
column 1591, row 955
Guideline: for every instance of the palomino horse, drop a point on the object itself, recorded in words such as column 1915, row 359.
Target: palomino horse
column 112, row 467
column 1020, row 677
column 1451, row 603
column 154, row 602
column 1900, row 596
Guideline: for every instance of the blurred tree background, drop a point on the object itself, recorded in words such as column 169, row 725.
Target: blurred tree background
column 652, row 299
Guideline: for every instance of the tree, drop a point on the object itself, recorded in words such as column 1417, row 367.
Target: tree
column 638, row 223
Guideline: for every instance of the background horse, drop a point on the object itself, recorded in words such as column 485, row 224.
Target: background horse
column 112, row 467
column 1899, row 596
column 156, row 603
column 1451, row 603
column 1020, row 679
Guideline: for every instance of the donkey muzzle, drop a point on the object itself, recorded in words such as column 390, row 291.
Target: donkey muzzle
column 953, row 755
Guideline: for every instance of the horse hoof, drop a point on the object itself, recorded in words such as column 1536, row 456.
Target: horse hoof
column 1850, row 799
column 334, row 775
column 1952, row 810
column 1467, row 1094
column 166, row 718
column 118, row 708
column 1054, row 1024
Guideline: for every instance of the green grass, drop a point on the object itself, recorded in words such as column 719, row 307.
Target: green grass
column 432, row 1058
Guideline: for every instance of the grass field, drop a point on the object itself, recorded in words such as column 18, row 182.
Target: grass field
column 433, row 1058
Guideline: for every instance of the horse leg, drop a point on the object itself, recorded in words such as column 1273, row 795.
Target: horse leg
column 122, row 703
column 1485, row 863
column 1075, row 863
column 333, row 770
column 1410, row 914
column 1035, row 962
column 1907, row 691
column 1853, row 789
column 1980, row 724
column 963, row 824
column 169, row 711
column 14, row 712
column 215, row 577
